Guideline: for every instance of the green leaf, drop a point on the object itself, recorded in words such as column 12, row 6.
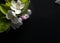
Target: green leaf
column 4, row 9
column 8, row 3
column 26, row 7
column 1, row 15
column 4, row 25
column 24, row 1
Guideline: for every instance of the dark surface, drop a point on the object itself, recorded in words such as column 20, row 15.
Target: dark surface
column 2, row 1
column 44, row 24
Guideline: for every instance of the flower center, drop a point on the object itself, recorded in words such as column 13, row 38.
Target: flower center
column 17, row 6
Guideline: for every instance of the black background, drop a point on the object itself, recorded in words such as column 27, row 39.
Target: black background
column 43, row 25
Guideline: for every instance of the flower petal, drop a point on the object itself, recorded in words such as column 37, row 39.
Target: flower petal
column 14, row 26
column 13, row 13
column 19, row 19
column 21, row 6
column 13, row 3
column 17, row 11
column 7, row 16
column 29, row 12
column 18, row 25
column 18, row 1
column 57, row 1
column 13, row 8
column 14, row 20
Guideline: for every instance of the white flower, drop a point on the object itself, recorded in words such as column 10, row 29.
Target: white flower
column 14, row 26
column 17, row 6
column 12, row 16
column 57, row 1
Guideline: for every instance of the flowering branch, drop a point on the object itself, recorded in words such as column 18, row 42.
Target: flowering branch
column 15, row 13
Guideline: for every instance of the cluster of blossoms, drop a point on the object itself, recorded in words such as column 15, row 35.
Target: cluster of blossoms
column 14, row 14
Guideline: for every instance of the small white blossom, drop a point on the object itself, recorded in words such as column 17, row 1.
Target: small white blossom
column 12, row 16
column 14, row 26
column 20, row 19
column 57, row 1
column 17, row 6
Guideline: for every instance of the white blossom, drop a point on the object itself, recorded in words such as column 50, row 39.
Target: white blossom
column 12, row 16
column 14, row 26
column 57, row 1
column 17, row 6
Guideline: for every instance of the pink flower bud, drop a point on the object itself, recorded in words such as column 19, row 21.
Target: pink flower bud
column 24, row 17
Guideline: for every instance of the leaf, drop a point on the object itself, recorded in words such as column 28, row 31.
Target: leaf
column 26, row 7
column 8, row 3
column 24, row 1
column 4, row 9
column 4, row 25
column 1, row 15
